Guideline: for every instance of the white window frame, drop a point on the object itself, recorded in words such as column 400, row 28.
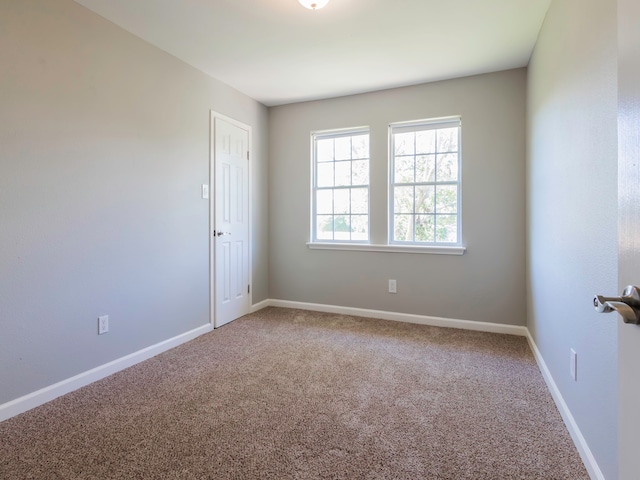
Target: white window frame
column 336, row 133
column 413, row 126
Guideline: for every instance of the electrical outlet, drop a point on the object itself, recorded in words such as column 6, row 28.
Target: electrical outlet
column 393, row 286
column 573, row 365
column 103, row 324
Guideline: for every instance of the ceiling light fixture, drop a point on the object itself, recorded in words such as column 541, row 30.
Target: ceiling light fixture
column 313, row 4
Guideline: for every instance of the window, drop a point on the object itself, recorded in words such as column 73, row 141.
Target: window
column 340, row 200
column 424, row 198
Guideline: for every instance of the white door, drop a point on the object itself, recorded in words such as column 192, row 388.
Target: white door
column 629, row 233
column 230, row 239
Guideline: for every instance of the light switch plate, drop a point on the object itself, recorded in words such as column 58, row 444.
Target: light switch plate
column 205, row 191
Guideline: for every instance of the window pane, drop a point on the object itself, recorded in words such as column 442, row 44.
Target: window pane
column 325, row 175
column 360, row 172
column 448, row 140
column 426, row 168
column 341, row 161
column 341, row 201
column 359, row 200
column 404, row 143
column 426, row 173
column 360, row 146
column 425, row 199
column 324, row 227
column 403, row 199
column 426, row 141
column 324, row 201
column 342, row 227
column 360, row 227
column 447, row 228
column 324, row 150
column 343, row 148
column 425, row 228
column 343, row 173
column 448, row 167
column 404, row 167
column 403, row 228
column 447, row 199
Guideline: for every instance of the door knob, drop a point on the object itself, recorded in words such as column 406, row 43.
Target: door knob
column 219, row 233
column 628, row 305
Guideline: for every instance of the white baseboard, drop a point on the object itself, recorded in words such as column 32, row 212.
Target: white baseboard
column 260, row 305
column 404, row 317
column 44, row 395
column 578, row 439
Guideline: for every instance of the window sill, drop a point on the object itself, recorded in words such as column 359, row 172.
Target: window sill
column 367, row 247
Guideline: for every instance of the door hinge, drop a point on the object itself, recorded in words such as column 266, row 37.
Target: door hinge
column 248, row 288
column 247, row 154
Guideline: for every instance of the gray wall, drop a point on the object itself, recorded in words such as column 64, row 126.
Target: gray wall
column 487, row 283
column 104, row 142
column 572, row 210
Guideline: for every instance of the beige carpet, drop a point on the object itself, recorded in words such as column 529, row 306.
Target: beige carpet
column 289, row 394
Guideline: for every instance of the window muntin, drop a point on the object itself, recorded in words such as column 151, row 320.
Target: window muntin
column 424, row 203
column 341, row 186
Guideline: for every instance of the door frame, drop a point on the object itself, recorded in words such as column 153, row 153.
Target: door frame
column 212, row 205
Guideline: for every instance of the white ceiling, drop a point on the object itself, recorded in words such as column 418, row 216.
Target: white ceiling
column 278, row 52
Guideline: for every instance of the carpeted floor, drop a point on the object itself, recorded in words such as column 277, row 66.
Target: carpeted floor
column 289, row 394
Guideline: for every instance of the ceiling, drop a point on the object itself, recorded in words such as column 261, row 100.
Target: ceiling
column 278, row 52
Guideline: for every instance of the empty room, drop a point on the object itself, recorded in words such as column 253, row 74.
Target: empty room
column 298, row 239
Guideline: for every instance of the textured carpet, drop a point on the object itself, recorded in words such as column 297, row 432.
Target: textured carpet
column 289, row 394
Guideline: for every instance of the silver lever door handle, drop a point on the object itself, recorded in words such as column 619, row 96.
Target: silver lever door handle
column 628, row 305
column 219, row 233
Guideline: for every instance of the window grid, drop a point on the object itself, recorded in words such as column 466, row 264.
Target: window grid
column 425, row 185
column 341, row 186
